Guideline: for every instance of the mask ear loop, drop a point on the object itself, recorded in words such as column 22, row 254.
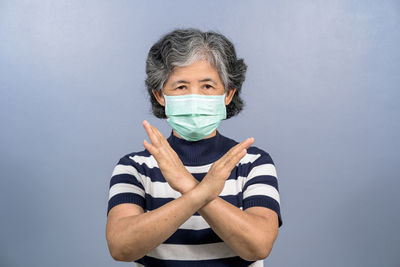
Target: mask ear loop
column 165, row 103
column 224, row 98
column 163, row 96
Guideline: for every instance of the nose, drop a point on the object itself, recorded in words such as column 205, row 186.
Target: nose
column 194, row 89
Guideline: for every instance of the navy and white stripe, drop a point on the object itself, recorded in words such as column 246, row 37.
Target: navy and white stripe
column 253, row 182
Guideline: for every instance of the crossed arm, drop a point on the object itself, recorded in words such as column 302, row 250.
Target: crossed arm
column 131, row 233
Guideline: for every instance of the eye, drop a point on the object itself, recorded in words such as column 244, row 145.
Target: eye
column 208, row 86
column 181, row 87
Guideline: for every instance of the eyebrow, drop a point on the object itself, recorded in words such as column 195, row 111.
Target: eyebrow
column 203, row 80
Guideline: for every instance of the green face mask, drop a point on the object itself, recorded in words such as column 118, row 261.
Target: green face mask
column 195, row 116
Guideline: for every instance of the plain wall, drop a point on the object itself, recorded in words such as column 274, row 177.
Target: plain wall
column 321, row 93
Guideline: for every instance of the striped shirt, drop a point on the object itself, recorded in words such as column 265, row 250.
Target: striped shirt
column 253, row 182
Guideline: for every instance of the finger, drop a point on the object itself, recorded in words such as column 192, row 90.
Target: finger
column 153, row 150
column 242, row 145
column 153, row 137
column 245, row 144
column 237, row 149
column 231, row 162
column 236, row 158
column 159, row 134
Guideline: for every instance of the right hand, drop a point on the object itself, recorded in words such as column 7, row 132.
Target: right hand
column 214, row 181
column 172, row 168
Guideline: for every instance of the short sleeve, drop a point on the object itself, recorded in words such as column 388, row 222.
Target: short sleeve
column 125, row 185
column 261, row 185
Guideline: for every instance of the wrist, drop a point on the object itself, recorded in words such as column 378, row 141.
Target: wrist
column 190, row 185
column 202, row 190
column 199, row 194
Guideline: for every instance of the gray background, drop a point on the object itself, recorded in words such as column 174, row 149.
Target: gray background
column 322, row 97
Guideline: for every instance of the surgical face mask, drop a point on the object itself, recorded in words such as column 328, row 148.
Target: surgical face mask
column 195, row 116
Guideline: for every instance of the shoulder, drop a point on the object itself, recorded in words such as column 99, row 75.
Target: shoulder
column 139, row 164
column 257, row 161
column 253, row 151
column 259, row 156
column 254, row 154
column 137, row 158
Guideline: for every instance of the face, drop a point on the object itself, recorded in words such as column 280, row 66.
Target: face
column 200, row 77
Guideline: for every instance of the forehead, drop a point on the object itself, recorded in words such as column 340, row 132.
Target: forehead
column 197, row 70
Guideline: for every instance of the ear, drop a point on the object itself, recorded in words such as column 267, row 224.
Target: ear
column 229, row 95
column 159, row 97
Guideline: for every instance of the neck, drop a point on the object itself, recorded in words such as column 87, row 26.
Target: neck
column 204, row 151
column 208, row 136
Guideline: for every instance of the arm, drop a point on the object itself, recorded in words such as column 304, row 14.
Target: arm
column 131, row 236
column 131, row 233
column 250, row 233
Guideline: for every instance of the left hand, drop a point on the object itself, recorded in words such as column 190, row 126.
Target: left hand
column 172, row 168
column 214, row 181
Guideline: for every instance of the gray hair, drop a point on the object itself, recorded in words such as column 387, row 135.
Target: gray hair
column 182, row 47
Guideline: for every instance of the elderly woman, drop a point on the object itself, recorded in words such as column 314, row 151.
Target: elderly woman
column 196, row 198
